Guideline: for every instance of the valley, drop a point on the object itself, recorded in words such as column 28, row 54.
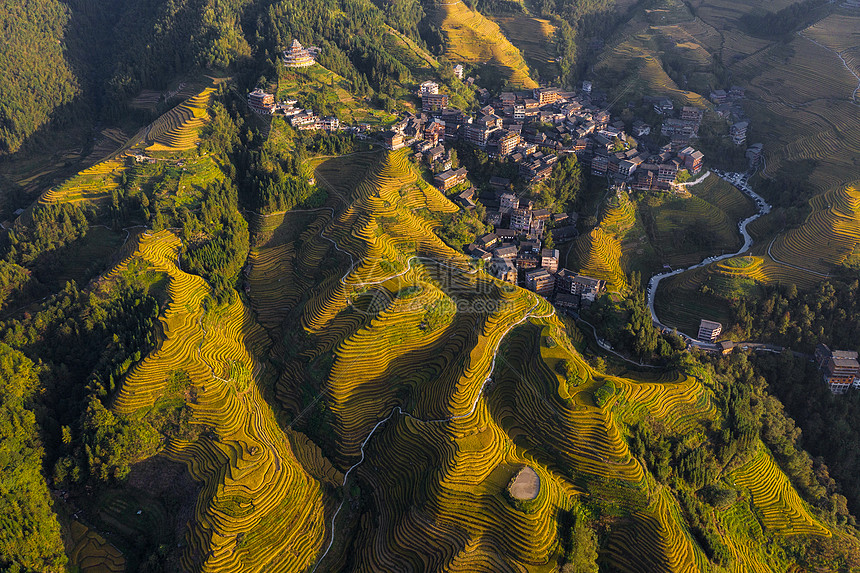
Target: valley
column 329, row 286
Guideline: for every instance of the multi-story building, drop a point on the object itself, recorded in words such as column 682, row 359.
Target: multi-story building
column 434, row 153
column 330, row 123
column 527, row 260
column 428, row 88
column 646, row 176
column 503, row 269
column 508, row 141
column 459, row 71
column 304, row 119
column 679, row 128
column 393, row 140
column 718, row 96
column 521, row 219
column 449, row 179
column 549, row 259
column 540, row 281
column 753, row 153
column 709, row 330
column 434, row 102
column 738, row 132
column 508, row 252
column 434, row 131
column 692, row 159
column 540, row 219
column 488, row 241
column 667, row 173
column 478, row 133
column 840, row 368
column 641, row 129
column 627, row 167
column 692, row 113
column 545, row 96
column 571, row 283
column 261, row 102
column 508, row 202
column 599, row 165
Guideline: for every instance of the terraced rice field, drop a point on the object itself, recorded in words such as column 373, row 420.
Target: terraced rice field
column 91, row 184
column 254, row 489
column 434, row 401
column 687, row 230
column 178, row 129
column 597, row 255
column 618, row 214
column 470, row 37
column 829, row 235
column 641, row 69
column 406, row 50
column 535, row 38
column 91, row 553
column 725, row 197
column 680, row 302
column 781, row 509
column 661, row 542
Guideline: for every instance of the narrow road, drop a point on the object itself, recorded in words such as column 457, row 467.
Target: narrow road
column 844, row 63
column 740, row 181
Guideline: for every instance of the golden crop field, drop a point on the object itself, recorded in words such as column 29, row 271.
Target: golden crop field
column 470, row 37
column 598, row 255
column 250, row 476
column 178, row 129
column 438, row 385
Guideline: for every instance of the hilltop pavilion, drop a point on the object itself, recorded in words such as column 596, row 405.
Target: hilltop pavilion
column 297, row 56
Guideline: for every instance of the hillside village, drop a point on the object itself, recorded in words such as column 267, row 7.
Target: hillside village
column 532, row 130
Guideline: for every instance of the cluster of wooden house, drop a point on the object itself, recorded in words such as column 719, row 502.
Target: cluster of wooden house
column 532, row 128
column 301, row 119
column 518, row 258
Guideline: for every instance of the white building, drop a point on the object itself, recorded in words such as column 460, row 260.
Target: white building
column 429, row 88
column 709, row 330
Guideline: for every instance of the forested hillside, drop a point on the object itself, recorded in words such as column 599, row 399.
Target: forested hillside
column 34, row 68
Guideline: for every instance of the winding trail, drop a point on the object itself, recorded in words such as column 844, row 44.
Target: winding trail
column 741, row 182
column 355, row 261
column 844, row 63
column 397, row 410
column 701, row 178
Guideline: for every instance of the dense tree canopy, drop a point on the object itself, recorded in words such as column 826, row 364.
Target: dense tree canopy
column 30, row 535
column 34, row 70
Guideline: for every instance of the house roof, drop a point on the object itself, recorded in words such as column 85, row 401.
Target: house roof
column 586, row 281
column 505, row 252
column 537, row 273
column 566, row 298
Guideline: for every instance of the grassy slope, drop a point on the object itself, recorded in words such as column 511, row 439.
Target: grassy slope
column 446, row 507
column 535, row 38
column 798, row 95
column 265, row 483
column 472, row 38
